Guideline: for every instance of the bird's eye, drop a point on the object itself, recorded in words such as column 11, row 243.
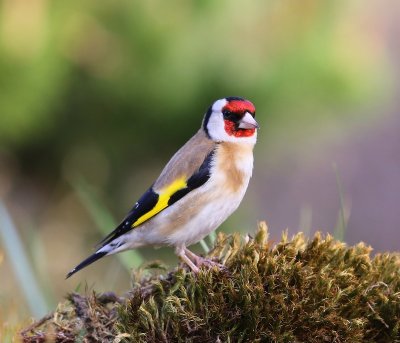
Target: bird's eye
column 231, row 115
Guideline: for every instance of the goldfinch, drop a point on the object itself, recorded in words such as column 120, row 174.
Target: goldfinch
column 199, row 188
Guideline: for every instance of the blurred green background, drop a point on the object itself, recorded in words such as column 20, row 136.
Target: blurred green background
column 95, row 97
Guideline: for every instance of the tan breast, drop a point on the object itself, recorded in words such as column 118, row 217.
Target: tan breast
column 203, row 209
column 235, row 162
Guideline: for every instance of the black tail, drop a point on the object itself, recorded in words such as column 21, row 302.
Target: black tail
column 86, row 262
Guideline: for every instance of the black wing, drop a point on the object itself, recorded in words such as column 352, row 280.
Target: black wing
column 150, row 200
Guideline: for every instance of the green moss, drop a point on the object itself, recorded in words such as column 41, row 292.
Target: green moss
column 295, row 291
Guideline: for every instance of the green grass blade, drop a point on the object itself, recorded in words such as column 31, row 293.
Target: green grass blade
column 212, row 238
column 104, row 220
column 204, row 246
column 19, row 260
column 305, row 223
column 341, row 226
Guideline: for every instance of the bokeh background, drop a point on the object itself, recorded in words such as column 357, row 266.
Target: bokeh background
column 95, row 96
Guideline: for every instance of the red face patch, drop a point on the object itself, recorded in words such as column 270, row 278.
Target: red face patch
column 240, row 106
column 232, row 131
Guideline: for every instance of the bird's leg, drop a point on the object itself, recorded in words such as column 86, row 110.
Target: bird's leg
column 180, row 251
column 201, row 261
column 197, row 260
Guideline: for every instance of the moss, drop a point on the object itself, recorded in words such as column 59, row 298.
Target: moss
column 294, row 291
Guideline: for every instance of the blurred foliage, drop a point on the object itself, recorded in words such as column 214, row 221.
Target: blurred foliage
column 297, row 291
column 106, row 81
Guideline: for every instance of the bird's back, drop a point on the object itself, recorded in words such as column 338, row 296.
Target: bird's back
column 186, row 161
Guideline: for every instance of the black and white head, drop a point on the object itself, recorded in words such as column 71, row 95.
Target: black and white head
column 231, row 120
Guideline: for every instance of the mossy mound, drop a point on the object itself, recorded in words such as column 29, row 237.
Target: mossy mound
column 294, row 291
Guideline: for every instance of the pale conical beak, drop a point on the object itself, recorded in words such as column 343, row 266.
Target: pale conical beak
column 248, row 122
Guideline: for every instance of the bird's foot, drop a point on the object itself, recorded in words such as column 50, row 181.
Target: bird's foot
column 206, row 262
column 181, row 252
column 201, row 261
column 194, row 261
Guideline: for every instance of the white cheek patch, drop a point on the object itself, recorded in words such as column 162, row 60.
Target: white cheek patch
column 219, row 105
column 216, row 127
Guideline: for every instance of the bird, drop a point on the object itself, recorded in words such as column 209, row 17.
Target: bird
column 199, row 188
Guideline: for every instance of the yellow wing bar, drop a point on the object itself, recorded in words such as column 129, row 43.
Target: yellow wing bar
column 164, row 196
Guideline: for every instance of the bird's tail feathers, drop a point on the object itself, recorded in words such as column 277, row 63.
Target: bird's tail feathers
column 92, row 258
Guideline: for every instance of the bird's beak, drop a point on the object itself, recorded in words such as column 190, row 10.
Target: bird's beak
column 248, row 122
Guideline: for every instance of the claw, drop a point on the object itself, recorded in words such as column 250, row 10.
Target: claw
column 195, row 262
column 181, row 252
column 201, row 261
